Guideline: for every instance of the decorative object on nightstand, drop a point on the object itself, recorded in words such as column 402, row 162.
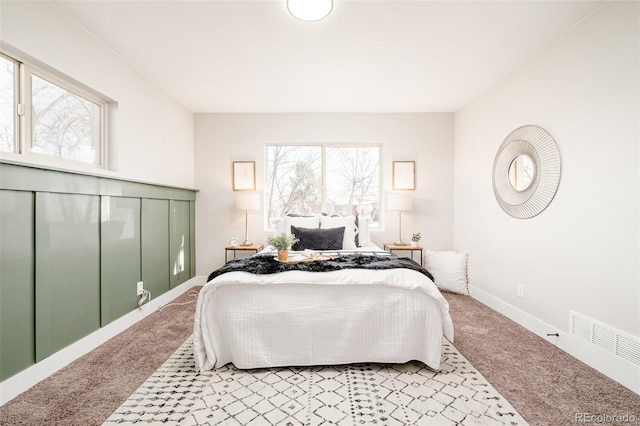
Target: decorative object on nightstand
column 247, row 201
column 401, row 202
column 282, row 242
column 415, row 239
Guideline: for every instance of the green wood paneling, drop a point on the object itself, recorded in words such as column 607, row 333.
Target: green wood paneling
column 67, row 270
column 120, row 256
column 180, row 242
column 155, row 246
column 17, row 293
column 72, row 247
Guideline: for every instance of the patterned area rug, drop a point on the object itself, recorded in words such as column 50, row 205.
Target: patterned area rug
column 356, row 394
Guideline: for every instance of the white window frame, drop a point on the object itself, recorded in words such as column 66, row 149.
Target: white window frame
column 23, row 117
column 378, row 225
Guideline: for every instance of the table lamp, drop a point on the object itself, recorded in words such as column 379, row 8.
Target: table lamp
column 247, row 201
column 400, row 202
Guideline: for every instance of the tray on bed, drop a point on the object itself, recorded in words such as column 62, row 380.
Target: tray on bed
column 298, row 258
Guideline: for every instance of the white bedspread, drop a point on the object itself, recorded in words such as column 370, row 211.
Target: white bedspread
column 301, row 318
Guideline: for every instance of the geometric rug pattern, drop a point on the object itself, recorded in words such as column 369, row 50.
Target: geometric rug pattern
column 354, row 394
column 168, row 395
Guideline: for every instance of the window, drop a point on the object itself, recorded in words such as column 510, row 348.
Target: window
column 64, row 124
column 59, row 119
column 332, row 179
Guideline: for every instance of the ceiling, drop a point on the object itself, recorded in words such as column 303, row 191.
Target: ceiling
column 367, row 56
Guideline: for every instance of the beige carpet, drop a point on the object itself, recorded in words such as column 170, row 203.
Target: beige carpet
column 545, row 385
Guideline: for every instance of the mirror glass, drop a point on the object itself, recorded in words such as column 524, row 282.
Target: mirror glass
column 522, row 172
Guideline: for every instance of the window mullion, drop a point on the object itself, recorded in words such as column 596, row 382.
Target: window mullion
column 324, row 179
column 18, row 109
column 24, row 99
column 103, row 137
column 17, row 116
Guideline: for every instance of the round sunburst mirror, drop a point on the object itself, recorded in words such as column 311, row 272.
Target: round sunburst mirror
column 526, row 172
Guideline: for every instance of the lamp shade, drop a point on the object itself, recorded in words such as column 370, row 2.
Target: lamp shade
column 399, row 201
column 310, row 10
column 248, row 201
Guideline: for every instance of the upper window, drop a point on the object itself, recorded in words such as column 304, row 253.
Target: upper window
column 60, row 119
column 330, row 179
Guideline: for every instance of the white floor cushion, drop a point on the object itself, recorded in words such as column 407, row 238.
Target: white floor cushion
column 449, row 270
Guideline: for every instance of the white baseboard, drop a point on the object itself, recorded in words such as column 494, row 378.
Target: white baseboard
column 620, row 370
column 27, row 378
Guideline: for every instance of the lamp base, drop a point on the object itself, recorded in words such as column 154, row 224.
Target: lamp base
column 246, row 243
column 400, row 243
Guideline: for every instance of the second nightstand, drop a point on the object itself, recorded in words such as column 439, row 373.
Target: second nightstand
column 391, row 247
column 235, row 249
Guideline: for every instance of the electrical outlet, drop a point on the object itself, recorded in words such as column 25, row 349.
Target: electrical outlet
column 139, row 288
column 520, row 290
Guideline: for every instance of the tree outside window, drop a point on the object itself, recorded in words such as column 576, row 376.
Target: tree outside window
column 65, row 125
column 329, row 179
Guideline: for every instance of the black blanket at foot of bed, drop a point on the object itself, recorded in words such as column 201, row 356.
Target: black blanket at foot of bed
column 266, row 264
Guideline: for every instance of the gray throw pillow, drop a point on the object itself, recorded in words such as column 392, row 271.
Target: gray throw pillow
column 318, row 239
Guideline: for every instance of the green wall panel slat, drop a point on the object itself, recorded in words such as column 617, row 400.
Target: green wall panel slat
column 120, row 256
column 155, row 246
column 192, row 237
column 17, row 293
column 67, row 269
column 179, row 240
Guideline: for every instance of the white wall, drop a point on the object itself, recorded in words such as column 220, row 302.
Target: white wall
column 582, row 253
column 151, row 135
column 223, row 138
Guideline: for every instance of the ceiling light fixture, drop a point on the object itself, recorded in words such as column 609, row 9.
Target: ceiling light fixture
column 310, row 10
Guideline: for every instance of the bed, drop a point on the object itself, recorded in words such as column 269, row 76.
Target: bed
column 306, row 317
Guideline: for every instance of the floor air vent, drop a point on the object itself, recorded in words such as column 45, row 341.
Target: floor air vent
column 608, row 338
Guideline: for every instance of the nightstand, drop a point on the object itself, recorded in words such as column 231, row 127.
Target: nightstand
column 391, row 247
column 235, row 249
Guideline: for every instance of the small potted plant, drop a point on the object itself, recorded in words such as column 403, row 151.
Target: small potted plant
column 282, row 242
column 415, row 239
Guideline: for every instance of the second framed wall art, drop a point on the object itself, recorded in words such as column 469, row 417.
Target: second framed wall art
column 404, row 175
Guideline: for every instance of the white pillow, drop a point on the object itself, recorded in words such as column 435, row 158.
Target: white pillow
column 364, row 236
column 449, row 270
column 301, row 222
column 349, row 223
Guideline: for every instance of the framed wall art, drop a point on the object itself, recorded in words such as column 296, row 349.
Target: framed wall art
column 404, row 175
column 244, row 175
